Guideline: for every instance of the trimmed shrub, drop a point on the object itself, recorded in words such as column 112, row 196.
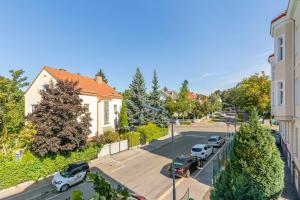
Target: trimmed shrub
column 255, row 153
column 133, row 138
column 110, row 136
column 151, row 132
column 31, row 167
column 185, row 123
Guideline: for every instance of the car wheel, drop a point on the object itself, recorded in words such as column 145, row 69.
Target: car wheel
column 64, row 188
column 188, row 173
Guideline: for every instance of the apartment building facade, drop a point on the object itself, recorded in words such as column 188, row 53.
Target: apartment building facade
column 285, row 75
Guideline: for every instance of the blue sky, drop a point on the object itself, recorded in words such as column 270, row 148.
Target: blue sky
column 213, row 44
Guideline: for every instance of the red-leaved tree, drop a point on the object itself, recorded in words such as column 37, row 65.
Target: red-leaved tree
column 62, row 125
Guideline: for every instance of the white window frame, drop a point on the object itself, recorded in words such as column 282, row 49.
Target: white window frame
column 32, row 107
column 106, row 112
column 86, row 107
column 297, row 91
column 272, row 72
column 278, row 93
column 278, row 47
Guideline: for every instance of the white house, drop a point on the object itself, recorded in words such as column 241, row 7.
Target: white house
column 102, row 101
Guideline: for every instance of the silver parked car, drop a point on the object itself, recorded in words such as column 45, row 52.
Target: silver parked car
column 216, row 141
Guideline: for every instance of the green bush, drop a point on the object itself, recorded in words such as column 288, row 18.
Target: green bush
column 256, row 169
column 255, row 153
column 151, row 132
column 110, row 136
column 185, row 123
column 133, row 138
column 31, row 167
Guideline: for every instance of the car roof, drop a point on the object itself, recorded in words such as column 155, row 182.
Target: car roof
column 214, row 136
column 199, row 145
column 77, row 164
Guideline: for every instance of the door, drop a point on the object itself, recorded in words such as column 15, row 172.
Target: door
column 209, row 150
column 77, row 176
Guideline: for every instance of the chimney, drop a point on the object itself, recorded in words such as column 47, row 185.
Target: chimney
column 99, row 79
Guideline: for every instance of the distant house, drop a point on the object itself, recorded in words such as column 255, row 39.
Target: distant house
column 102, row 101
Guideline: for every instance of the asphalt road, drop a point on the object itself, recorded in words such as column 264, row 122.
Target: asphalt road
column 139, row 170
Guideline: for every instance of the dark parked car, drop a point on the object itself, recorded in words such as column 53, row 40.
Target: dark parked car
column 216, row 141
column 184, row 165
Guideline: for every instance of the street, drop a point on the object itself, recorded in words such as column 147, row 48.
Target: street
column 139, row 170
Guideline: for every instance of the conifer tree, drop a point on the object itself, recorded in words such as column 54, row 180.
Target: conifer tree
column 155, row 101
column 137, row 114
column 102, row 74
column 124, row 125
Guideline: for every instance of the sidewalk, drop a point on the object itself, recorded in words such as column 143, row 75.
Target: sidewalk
column 289, row 191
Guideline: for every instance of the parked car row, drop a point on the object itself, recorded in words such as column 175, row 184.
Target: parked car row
column 184, row 165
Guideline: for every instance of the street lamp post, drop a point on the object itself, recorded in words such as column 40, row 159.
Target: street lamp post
column 173, row 144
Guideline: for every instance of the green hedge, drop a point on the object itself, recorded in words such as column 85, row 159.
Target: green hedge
column 133, row 138
column 33, row 168
column 151, row 132
column 186, row 123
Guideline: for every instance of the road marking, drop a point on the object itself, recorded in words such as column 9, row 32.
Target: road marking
column 195, row 136
column 31, row 190
column 164, row 195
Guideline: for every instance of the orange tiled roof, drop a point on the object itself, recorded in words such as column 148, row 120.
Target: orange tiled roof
column 87, row 85
column 192, row 95
column 279, row 17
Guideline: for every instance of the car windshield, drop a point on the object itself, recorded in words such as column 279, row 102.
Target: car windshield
column 213, row 139
column 65, row 172
column 179, row 162
column 197, row 149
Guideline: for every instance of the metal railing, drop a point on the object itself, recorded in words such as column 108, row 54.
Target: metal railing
column 220, row 161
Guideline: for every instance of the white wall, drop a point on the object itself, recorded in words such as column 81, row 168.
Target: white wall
column 92, row 101
column 32, row 95
column 112, row 114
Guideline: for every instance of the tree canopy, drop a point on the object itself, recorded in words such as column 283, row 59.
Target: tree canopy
column 61, row 123
column 252, row 92
column 12, row 101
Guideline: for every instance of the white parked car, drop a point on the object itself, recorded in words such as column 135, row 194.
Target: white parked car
column 216, row 141
column 202, row 151
column 70, row 175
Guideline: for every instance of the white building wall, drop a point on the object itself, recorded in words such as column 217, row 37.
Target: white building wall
column 92, row 102
column 32, row 96
column 112, row 114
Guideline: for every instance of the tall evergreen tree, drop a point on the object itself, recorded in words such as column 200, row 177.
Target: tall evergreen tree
column 124, row 125
column 137, row 114
column 155, row 101
column 102, row 74
column 61, row 123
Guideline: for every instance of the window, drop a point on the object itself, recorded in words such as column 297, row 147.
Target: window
column 115, row 108
column 86, row 107
column 44, row 87
column 280, row 48
column 273, row 95
column 297, row 91
column 106, row 112
column 273, row 72
column 33, row 107
column 280, row 93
